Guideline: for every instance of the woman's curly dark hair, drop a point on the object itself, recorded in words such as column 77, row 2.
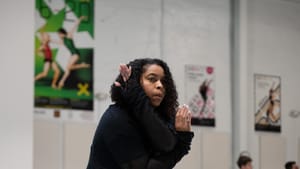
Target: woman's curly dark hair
column 138, row 66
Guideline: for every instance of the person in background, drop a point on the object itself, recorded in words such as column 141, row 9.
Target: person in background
column 244, row 162
column 291, row 165
column 144, row 128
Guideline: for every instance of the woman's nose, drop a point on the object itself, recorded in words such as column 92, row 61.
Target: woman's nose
column 159, row 85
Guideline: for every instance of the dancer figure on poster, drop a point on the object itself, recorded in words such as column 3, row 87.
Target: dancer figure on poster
column 203, row 90
column 66, row 38
column 48, row 60
column 272, row 116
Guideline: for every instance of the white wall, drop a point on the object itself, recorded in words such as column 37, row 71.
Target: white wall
column 178, row 31
column 197, row 32
column 126, row 30
column 273, row 38
column 16, row 71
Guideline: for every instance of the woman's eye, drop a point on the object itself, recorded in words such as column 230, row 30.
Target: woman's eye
column 152, row 79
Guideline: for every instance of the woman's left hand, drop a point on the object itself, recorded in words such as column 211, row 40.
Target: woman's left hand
column 183, row 119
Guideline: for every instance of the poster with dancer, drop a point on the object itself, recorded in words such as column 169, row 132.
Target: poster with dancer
column 267, row 94
column 200, row 94
column 63, row 54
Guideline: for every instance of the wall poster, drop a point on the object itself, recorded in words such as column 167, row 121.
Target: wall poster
column 63, row 54
column 200, row 94
column 267, row 94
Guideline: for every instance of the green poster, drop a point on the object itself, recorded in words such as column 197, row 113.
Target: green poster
column 63, row 54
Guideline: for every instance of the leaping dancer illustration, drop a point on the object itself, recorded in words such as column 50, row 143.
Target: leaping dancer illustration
column 66, row 39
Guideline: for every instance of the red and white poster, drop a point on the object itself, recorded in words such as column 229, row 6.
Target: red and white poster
column 200, row 94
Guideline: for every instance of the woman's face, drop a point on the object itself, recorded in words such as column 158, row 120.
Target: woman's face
column 151, row 81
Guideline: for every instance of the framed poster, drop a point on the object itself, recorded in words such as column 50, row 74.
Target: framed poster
column 267, row 94
column 200, row 94
column 63, row 54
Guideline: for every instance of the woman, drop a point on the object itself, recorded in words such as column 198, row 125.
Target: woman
column 48, row 60
column 142, row 129
column 67, row 40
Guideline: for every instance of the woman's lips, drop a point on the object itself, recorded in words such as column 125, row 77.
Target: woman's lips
column 157, row 97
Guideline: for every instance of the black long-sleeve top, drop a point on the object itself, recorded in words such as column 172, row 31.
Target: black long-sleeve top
column 136, row 137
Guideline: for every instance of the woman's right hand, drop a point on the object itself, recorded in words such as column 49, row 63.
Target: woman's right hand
column 183, row 119
column 125, row 72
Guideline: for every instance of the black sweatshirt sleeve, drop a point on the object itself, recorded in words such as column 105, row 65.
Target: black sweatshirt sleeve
column 169, row 159
column 161, row 138
column 164, row 160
